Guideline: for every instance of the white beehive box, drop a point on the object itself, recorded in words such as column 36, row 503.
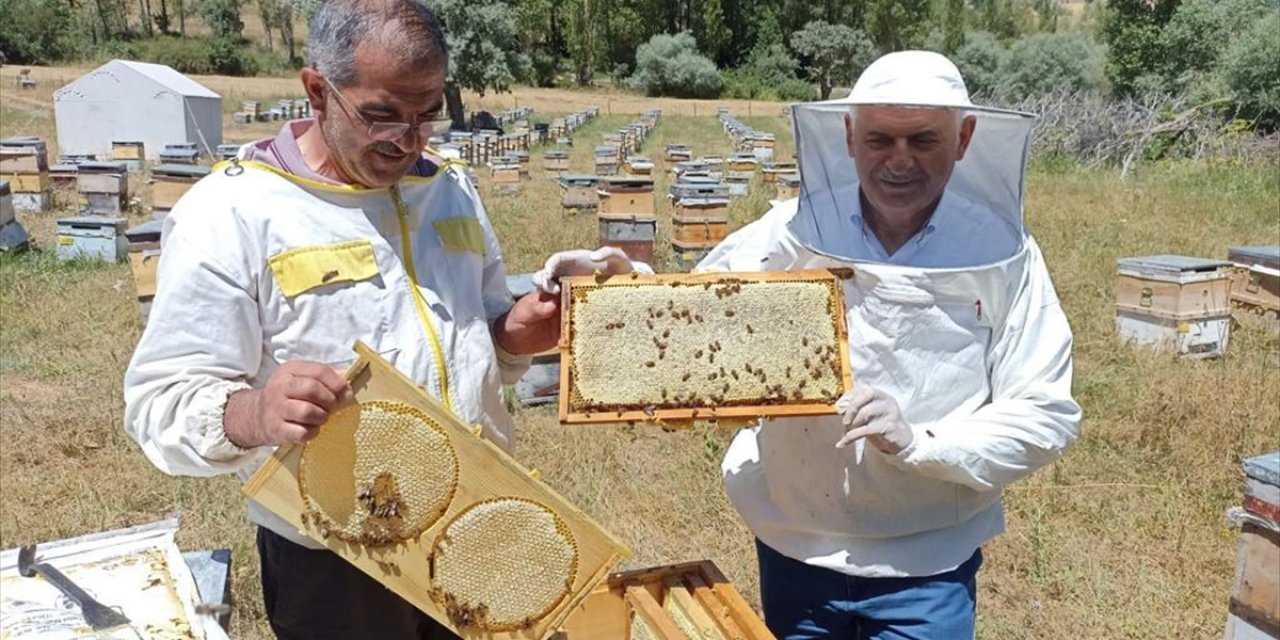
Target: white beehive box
column 1176, row 303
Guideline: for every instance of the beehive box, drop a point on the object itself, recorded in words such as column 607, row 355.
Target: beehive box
column 491, row 553
column 674, row 153
column 171, row 182
column 632, row 233
column 506, row 173
column 699, row 230
column 91, row 237
column 1175, row 303
column 640, row 166
column 677, row 348
column 685, row 256
column 23, row 154
column 699, row 187
column 185, row 153
column 128, row 151
column 630, row 195
column 689, row 601
column 788, row 186
column 555, row 161
column 227, row 151
column 38, row 182
column 745, row 163
column 1255, row 284
column 1254, row 609
column 62, row 176
column 699, row 208
column 738, row 182
column 772, row 170
column 578, row 191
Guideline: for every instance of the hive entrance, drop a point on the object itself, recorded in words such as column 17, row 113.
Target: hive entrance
column 378, row 473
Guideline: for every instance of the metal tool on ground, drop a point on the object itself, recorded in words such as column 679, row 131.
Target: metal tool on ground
column 99, row 616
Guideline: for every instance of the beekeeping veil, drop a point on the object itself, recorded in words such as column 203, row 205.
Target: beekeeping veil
column 990, row 177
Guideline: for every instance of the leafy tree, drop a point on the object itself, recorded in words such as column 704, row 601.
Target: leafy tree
column 834, row 53
column 670, row 65
column 953, row 26
column 34, row 31
column 1197, row 35
column 1048, row 62
column 223, row 18
column 484, row 53
column 1251, row 68
column 774, row 64
column 581, row 21
column 897, row 24
column 1131, row 31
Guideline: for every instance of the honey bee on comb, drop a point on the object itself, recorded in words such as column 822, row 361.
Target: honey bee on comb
column 704, row 336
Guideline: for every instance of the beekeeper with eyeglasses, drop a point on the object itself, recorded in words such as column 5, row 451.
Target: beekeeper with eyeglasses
column 870, row 523
column 335, row 230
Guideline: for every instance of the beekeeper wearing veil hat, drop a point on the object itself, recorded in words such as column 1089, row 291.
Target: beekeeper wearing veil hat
column 869, row 523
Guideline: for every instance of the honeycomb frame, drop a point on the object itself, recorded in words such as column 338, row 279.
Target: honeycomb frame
column 684, row 383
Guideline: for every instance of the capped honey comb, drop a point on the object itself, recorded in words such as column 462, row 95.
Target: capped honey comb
column 378, row 473
column 502, row 564
column 723, row 343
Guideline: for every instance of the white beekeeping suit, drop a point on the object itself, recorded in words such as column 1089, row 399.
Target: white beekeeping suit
column 965, row 334
column 260, row 267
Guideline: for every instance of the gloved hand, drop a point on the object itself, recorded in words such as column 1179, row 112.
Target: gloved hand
column 581, row 262
column 870, row 413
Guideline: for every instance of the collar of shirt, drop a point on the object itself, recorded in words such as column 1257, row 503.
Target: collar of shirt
column 908, row 253
column 282, row 152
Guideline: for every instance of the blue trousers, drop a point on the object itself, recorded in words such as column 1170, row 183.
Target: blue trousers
column 803, row 602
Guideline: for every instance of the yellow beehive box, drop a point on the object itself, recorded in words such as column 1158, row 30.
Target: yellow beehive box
column 627, row 195
column 128, row 151
column 405, row 491
column 29, row 182
column 677, row 348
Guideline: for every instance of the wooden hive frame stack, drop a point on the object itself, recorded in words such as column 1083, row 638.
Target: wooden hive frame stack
column 688, row 601
column 486, row 475
column 684, row 347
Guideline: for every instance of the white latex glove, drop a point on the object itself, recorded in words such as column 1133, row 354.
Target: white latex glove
column 870, row 413
column 581, row 262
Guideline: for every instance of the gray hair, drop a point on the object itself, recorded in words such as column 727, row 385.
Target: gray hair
column 339, row 26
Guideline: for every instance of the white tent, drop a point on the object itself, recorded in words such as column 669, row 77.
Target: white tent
column 126, row 101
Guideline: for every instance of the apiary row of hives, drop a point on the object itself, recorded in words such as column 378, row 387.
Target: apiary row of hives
column 285, row 109
column 759, row 144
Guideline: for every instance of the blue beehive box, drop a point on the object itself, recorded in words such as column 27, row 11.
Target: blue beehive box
column 91, row 237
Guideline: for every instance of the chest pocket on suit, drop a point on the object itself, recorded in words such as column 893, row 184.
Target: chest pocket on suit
column 331, row 295
column 304, row 269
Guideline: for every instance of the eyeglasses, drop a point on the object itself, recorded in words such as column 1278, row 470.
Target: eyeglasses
column 392, row 131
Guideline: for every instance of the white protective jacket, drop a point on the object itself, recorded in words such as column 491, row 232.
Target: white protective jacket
column 978, row 357
column 259, row 268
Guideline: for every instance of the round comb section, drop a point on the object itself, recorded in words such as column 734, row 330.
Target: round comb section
column 503, row 564
column 379, row 473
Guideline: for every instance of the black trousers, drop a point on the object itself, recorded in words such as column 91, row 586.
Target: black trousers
column 313, row 594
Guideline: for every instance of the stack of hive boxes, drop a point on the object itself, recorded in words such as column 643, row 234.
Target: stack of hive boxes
column 555, row 161
column 627, row 215
column 607, row 158
column 180, row 153
column 578, row 191
column 1255, row 286
column 24, row 164
column 506, row 174
column 103, row 188
column 1176, row 303
column 699, row 218
column 144, row 259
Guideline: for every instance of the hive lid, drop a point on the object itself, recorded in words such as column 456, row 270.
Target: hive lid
column 103, row 167
column 578, row 178
column 1172, row 264
column 627, row 181
column 184, row 170
column 1264, row 468
column 147, row 231
column 92, row 221
column 1267, row 256
column 22, row 141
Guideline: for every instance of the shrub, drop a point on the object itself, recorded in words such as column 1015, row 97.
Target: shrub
column 1049, row 62
column 670, row 65
column 979, row 60
column 35, row 31
column 1251, row 69
column 796, row 90
column 1199, row 32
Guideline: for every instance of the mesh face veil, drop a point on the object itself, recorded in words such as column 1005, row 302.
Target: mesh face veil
column 987, row 184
